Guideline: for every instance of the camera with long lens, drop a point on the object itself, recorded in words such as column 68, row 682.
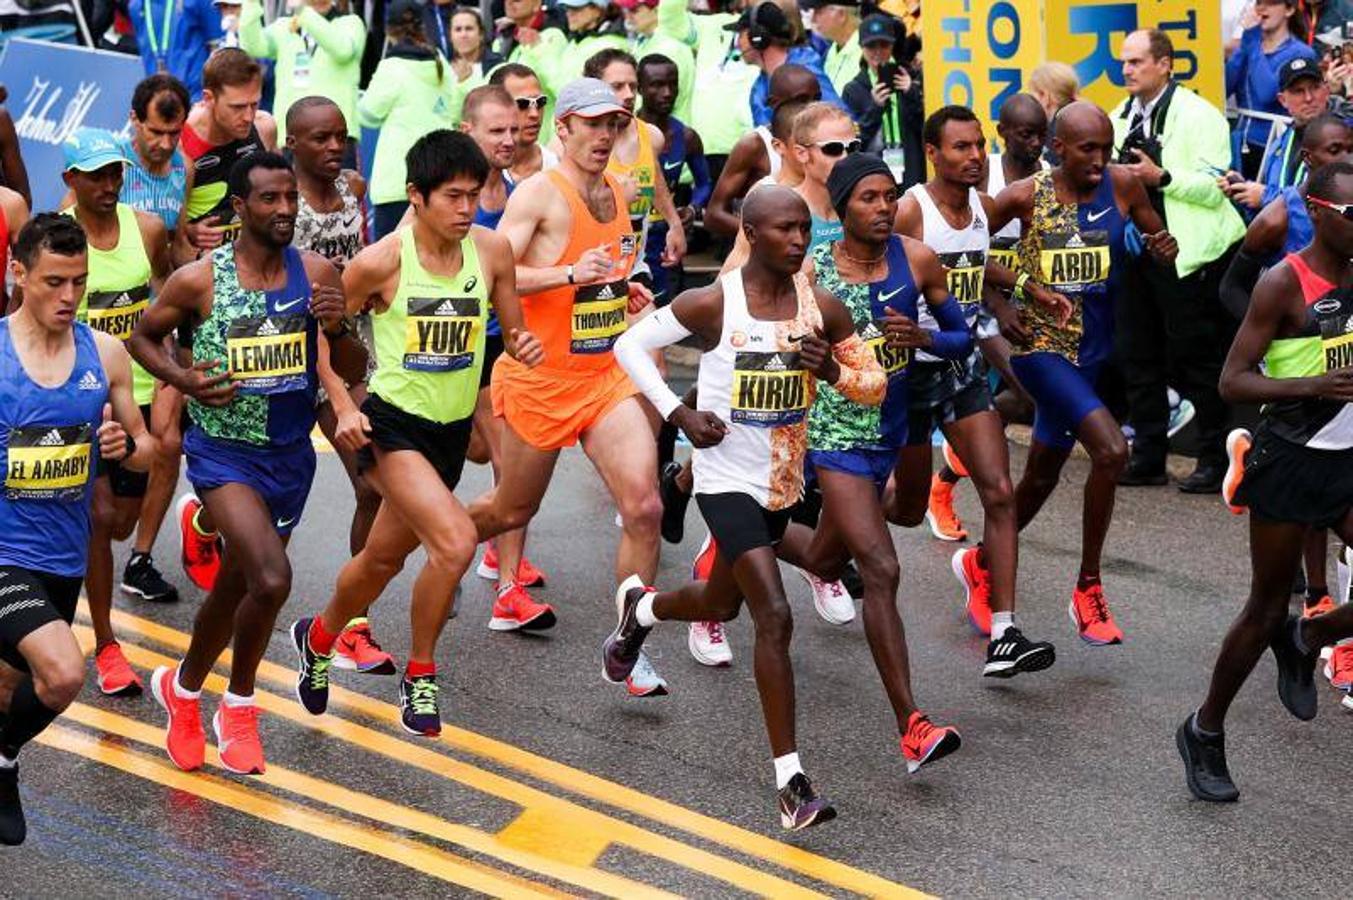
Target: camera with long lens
column 1136, row 140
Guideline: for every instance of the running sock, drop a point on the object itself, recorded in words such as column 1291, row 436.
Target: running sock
column 981, row 554
column 1314, row 593
column 416, row 669
column 234, row 700
column 1085, row 582
column 643, row 611
column 28, row 716
column 1000, row 621
column 1199, row 731
column 786, row 767
column 182, row 692
column 947, row 475
column 197, row 525
column 321, row 642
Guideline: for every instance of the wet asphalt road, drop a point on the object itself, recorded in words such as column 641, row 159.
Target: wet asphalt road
column 1067, row 783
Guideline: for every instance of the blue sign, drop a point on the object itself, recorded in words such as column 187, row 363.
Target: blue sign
column 55, row 89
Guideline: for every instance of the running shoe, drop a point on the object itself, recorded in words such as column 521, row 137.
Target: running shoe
column 1296, row 672
column 1238, row 444
column 114, row 673
column 704, row 559
column 1090, row 613
column 830, row 598
column 13, row 827
column 674, row 503
column 852, row 579
column 357, row 650
column 952, row 461
column 527, row 574
column 939, row 515
column 312, row 670
column 201, row 554
column 926, row 742
column 1181, row 414
column 801, row 807
column 1339, row 668
column 237, row 740
column 708, row 644
column 418, row 706
column 1324, row 605
column 1205, row 765
column 620, row 653
column 141, row 579
column 976, row 582
column 514, row 610
column 1012, row 653
column 644, row 680
column 184, row 738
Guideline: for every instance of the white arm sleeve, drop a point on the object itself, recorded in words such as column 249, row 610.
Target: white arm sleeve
column 634, row 353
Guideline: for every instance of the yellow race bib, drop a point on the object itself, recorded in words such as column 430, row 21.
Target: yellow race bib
column 598, row 316
column 769, row 389
column 48, row 462
column 441, row 333
column 267, row 354
column 117, row 312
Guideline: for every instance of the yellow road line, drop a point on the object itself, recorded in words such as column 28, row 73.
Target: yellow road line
column 576, row 781
column 604, row 829
column 428, row 860
column 537, row 827
column 390, row 814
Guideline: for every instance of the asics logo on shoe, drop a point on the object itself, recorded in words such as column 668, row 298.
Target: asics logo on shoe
column 51, row 439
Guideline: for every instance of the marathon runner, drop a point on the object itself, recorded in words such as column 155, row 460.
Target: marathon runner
column 767, row 332
column 524, row 87
column 68, row 406
column 430, row 285
column 253, row 307
column 1298, row 475
column 128, row 259
column 1073, row 219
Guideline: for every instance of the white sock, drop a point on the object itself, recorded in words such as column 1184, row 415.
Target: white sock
column 182, row 692
column 786, row 767
column 6, row 762
column 643, row 611
column 236, row 700
column 1000, row 621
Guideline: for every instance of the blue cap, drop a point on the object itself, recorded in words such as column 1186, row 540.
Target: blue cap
column 90, row 149
column 1296, row 69
column 877, row 29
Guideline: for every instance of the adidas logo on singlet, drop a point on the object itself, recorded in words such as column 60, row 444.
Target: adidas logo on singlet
column 51, row 439
column 89, row 381
column 963, row 262
column 775, row 364
column 123, row 299
column 606, row 293
column 870, row 332
column 267, row 328
column 446, row 309
column 1074, row 241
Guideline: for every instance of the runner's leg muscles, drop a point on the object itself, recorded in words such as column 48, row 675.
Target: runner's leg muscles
column 165, row 411
column 57, row 673
column 511, row 544
column 908, row 493
column 621, row 447
column 515, row 498
column 1042, row 468
column 363, row 577
column 979, row 440
column 1103, row 440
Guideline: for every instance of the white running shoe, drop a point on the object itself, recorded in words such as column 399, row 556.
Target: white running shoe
column 708, row 644
column 644, row 681
column 831, row 599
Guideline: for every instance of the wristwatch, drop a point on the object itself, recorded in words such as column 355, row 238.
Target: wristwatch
column 1165, row 179
column 568, row 270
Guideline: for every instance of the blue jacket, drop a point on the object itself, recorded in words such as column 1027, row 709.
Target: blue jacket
column 802, row 55
column 194, row 27
column 1252, row 76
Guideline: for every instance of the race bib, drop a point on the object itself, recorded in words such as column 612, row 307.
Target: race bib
column 769, row 389
column 1003, row 252
column 300, row 70
column 117, row 312
column 48, row 462
column 267, row 354
column 965, row 270
column 893, row 360
column 1334, row 315
column 441, row 333
column 1076, row 261
column 598, row 316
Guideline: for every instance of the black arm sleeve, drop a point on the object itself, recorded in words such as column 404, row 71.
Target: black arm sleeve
column 1240, row 278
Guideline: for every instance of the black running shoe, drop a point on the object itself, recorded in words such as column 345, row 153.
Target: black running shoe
column 418, row 711
column 801, row 807
column 1296, row 672
column 13, row 828
column 621, row 650
column 312, row 670
column 674, row 503
column 1013, row 653
column 1205, row 765
column 852, row 580
column 141, row 579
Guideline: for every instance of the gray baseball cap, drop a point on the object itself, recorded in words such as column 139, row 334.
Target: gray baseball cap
column 586, row 97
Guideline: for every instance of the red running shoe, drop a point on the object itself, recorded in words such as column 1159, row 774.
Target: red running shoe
column 1238, row 444
column 704, row 559
column 1090, row 612
column 114, row 673
column 953, row 462
column 201, row 554
column 184, row 738
column 237, row 740
column 1339, row 668
column 939, row 515
column 514, row 610
column 527, row 575
column 1324, row 605
column 925, row 742
column 356, row 650
column 976, row 583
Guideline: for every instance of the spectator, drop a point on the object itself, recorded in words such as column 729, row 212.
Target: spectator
column 837, row 24
column 590, row 30
column 641, row 20
column 1054, row 85
column 1317, row 17
column 767, row 39
column 885, row 100
column 318, row 49
column 471, row 58
column 176, row 36
column 411, row 93
column 528, row 32
column 1171, row 321
column 1252, row 76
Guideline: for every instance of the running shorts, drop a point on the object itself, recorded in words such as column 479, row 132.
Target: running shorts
column 738, row 523
column 942, row 394
column 1063, row 394
column 28, row 601
column 874, row 464
column 393, row 429
column 281, row 475
column 493, row 348
column 1288, row 482
column 551, row 408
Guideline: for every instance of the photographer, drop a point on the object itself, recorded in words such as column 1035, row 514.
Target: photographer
column 1171, row 327
column 885, row 101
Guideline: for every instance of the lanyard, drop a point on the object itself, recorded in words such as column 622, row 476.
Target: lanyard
column 892, row 119
column 159, row 45
column 441, row 31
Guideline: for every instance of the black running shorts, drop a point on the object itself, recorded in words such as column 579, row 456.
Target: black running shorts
column 493, row 348
column 738, row 523
column 28, row 601
column 126, row 482
column 943, row 393
column 394, row 429
column 1287, row 482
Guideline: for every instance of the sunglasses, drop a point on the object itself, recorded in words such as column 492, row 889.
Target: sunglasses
column 1343, row 209
column 525, row 103
column 836, row 148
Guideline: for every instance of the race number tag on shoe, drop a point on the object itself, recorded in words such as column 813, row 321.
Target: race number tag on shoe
column 769, row 389
column 117, row 312
column 441, row 333
column 267, row 354
column 894, row 360
column 598, row 316
column 1073, row 262
column 965, row 270
column 48, row 462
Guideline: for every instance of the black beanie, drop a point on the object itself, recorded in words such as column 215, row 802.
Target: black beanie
column 848, row 173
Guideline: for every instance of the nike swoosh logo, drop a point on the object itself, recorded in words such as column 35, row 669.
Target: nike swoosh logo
column 1096, row 216
column 884, row 298
column 348, row 223
column 286, row 523
column 283, row 307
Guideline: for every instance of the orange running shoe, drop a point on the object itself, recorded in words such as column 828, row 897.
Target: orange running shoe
column 514, row 610
column 201, row 554
column 237, row 740
column 184, row 739
column 357, row 650
column 925, row 742
column 1090, row 613
column 952, row 461
column 1339, row 668
column 1238, row 444
column 976, row 583
column 1324, row 605
column 115, row 675
column 944, row 522
column 528, row 576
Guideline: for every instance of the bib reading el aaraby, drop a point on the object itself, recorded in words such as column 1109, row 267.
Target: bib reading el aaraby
column 48, row 462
